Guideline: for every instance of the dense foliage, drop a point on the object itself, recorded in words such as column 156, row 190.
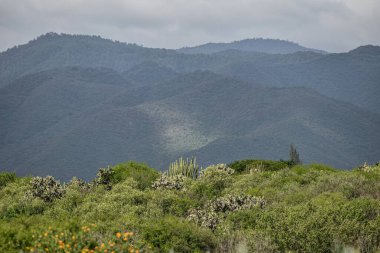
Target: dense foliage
column 235, row 208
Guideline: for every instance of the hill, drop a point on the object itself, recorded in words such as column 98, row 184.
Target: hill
column 269, row 46
column 69, row 104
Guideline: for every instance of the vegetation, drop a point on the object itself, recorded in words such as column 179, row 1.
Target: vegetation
column 247, row 206
column 188, row 168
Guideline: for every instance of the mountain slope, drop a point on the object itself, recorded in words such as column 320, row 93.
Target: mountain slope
column 351, row 77
column 70, row 104
column 269, row 46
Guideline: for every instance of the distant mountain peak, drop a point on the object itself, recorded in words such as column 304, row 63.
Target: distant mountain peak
column 271, row 46
column 367, row 50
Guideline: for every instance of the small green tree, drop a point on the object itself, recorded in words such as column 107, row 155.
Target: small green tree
column 294, row 156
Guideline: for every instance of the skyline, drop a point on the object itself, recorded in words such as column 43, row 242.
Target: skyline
column 330, row 25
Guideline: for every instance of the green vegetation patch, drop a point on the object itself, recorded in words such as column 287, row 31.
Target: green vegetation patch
column 131, row 207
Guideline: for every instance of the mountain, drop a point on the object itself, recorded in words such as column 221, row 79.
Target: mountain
column 269, row 46
column 54, row 50
column 71, row 104
column 352, row 77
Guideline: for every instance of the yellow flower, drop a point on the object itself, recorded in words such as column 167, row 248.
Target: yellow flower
column 118, row 234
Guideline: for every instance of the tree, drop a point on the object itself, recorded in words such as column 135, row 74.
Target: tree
column 294, row 157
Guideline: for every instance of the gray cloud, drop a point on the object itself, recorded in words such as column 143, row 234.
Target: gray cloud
column 333, row 25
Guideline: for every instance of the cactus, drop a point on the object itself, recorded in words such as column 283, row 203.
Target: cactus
column 103, row 177
column 218, row 167
column 204, row 218
column 172, row 183
column 231, row 203
column 46, row 188
column 215, row 211
column 80, row 184
column 188, row 168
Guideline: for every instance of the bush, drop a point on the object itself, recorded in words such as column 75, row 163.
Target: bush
column 211, row 184
column 245, row 166
column 84, row 239
column 172, row 233
column 140, row 172
column 6, row 177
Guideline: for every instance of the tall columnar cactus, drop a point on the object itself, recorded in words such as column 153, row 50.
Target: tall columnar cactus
column 188, row 168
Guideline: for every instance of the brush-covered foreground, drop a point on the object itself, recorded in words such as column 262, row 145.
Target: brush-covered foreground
column 247, row 206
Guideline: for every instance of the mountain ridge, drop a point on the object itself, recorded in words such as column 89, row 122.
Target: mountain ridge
column 271, row 46
column 69, row 104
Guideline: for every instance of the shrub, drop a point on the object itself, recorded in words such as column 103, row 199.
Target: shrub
column 6, row 177
column 211, row 184
column 172, row 233
column 258, row 165
column 83, row 240
column 46, row 188
column 140, row 172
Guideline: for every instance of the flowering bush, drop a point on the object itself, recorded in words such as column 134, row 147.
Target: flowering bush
column 86, row 240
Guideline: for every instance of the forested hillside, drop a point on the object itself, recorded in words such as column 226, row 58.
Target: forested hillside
column 72, row 103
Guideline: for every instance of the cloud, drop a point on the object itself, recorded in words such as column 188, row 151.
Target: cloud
column 333, row 25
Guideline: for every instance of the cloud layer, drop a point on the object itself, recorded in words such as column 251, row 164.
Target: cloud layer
column 332, row 25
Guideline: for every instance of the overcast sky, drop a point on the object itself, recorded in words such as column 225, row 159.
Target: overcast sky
column 332, row 25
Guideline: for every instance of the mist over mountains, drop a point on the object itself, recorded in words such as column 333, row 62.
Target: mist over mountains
column 70, row 104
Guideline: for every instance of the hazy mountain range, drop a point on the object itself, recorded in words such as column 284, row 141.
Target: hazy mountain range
column 70, row 104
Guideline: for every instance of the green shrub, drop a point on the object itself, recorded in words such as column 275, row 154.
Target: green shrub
column 210, row 185
column 140, row 172
column 85, row 239
column 172, row 233
column 245, row 166
column 6, row 177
